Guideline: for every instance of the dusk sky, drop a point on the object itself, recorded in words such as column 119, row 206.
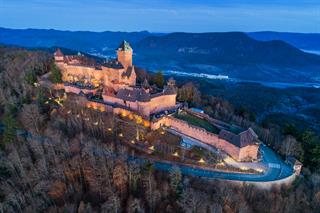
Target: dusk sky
column 163, row 15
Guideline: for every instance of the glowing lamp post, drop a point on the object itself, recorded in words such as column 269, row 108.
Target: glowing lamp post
column 176, row 154
column 201, row 161
column 152, row 148
column 260, row 170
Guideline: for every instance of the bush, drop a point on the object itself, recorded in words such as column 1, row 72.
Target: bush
column 31, row 77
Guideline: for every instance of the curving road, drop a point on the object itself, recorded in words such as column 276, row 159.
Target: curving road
column 276, row 169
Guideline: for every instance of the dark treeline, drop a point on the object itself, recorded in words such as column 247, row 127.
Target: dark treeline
column 69, row 164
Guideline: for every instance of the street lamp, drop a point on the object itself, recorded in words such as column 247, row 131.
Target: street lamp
column 176, row 154
column 201, row 160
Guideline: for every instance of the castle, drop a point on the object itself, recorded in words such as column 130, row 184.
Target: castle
column 116, row 81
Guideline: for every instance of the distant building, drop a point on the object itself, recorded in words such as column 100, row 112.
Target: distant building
column 117, row 79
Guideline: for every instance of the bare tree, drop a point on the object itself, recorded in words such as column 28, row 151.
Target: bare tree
column 215, row 208
column 112, row 205
column 290, row 147
column 152, row 195
column 120, row 177
column 134, row 206
column 193, row 201
column 32, row 118
column 133, row 175
column 175, row 180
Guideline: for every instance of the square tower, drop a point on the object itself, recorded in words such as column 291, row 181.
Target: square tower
column 58, row 56
column 125, row 54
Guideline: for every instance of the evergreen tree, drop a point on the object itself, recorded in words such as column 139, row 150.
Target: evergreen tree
column 31, row 77
column 159, row 79
column 175, row 180
column 41, row 98
column 10, row 126
column 56, row 76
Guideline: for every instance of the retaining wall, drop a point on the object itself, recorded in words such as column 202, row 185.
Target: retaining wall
column 267, row 185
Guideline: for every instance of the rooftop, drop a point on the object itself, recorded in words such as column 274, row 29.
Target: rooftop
column 245, row 138
column 58, row 53
column 112, row 63
column 133, row 95
column 125, row 46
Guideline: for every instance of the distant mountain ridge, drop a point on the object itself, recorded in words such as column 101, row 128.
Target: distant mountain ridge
column 77, row 40
column 224, row 48
column 304, row 41
column 235, row 54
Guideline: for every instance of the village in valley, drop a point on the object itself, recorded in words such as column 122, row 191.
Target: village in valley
column 156, row 127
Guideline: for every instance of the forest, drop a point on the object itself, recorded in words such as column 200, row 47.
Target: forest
column 52, row 162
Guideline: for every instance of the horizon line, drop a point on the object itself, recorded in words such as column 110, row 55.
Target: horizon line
column 152, row 32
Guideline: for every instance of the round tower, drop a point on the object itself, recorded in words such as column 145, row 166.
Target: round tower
column 125, row 54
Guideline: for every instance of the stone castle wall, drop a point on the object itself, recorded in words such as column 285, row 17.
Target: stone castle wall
column 77, row 90
column 249, row 152
column 207, row 138
column 161, row 103
column 155, row 105
column 75, row 73
column 106, row 75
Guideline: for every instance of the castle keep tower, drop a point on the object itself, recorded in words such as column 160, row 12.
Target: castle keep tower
column 125, row 54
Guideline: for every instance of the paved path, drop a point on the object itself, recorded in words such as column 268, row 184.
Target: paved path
column 272, row 173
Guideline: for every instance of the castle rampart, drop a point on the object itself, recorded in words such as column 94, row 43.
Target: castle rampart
column 238, row 153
